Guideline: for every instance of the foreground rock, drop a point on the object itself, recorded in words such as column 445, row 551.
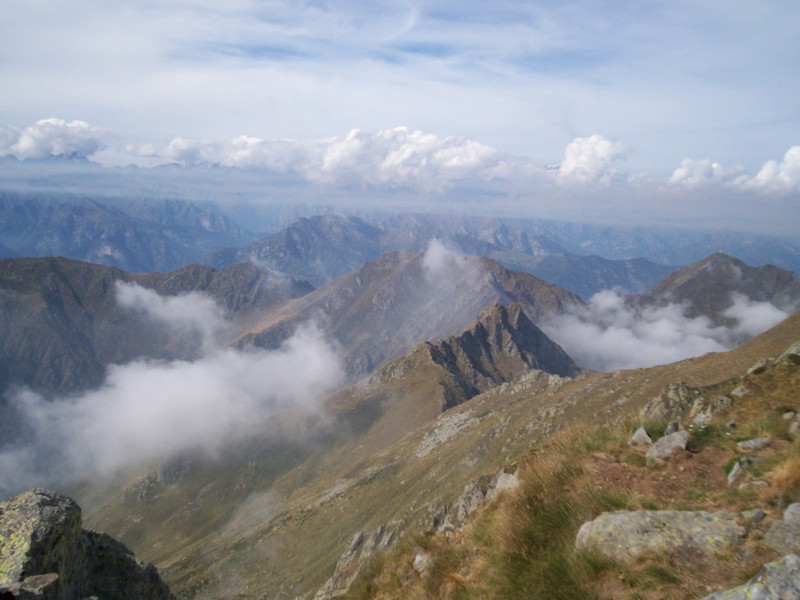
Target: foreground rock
column 778, row 580
column 44, row 553
column 625, row 535
column 784, row 535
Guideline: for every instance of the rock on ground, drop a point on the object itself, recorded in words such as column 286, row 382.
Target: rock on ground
column 625, row 535
column 44, row 553
column 778, row 580
column 664, row 446
column 784, row 535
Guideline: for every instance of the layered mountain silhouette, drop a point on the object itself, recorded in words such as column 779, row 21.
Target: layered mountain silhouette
column 321, row 248
column 134, row 235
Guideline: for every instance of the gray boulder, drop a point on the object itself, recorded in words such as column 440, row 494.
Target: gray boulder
column 754, row 444
column 778, row 580
column 664, row 446
column 640, row 437
column 44, row 553
column 784, row 535
column 625, row 535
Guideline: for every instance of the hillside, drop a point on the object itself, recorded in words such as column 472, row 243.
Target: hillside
column 275, row 514
column 61, row 323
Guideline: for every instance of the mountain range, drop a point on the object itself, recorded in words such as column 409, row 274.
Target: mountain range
column 450, row 392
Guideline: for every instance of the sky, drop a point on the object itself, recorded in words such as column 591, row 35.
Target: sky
column 686, row 102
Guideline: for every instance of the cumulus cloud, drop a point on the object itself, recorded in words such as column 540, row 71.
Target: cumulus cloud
column 609, row 334
column 391, row 157
column 151, row 410
column 53, row 137
column 694, row 172
column 590, row 160
column 774, row 176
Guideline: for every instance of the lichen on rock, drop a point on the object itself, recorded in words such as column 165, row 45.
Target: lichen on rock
column 45, row 553
column 625, row 535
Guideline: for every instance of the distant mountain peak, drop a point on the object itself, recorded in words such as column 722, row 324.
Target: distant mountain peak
column 501, row 345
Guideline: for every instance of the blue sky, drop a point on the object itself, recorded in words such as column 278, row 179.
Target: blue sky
column 674, row 93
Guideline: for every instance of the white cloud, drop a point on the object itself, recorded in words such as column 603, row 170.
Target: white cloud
column 187, row 313
column 54, row 137
column 694, row 172
column 608, row 334
column 590, row 160
column 391, row 157
column 777, row 176
column 753, row 317
column 443, row 264
column 151, row 410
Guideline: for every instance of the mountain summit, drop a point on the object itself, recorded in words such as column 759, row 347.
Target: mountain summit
column 501, row 345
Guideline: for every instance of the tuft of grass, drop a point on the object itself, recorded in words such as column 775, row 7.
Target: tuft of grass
column 613, row 499
column 660, row 574
column 786, row 476
column 708, row 435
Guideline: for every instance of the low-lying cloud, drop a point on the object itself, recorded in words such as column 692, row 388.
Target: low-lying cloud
column 609, row 334
column 151, row 410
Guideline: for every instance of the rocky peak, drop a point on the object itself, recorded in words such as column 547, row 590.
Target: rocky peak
column 501, row 345
column 44, row 553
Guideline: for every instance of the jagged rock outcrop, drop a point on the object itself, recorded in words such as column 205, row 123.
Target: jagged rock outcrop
column 354, row 556
column 476, row 493
column 501, row 345
column 670, row 404
column 45, row 553
column 625, row 535
column 382, row 309
column 778, row 580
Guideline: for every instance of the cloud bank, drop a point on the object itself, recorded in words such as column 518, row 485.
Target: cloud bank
column 53, row 137
column 394, row 157
column 608, row 334
column 150, row 410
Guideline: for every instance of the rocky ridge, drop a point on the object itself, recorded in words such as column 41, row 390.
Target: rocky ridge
column 379, row 311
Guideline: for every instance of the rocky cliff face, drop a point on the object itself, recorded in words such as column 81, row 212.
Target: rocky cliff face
column 45, row 553
column 501, row 345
